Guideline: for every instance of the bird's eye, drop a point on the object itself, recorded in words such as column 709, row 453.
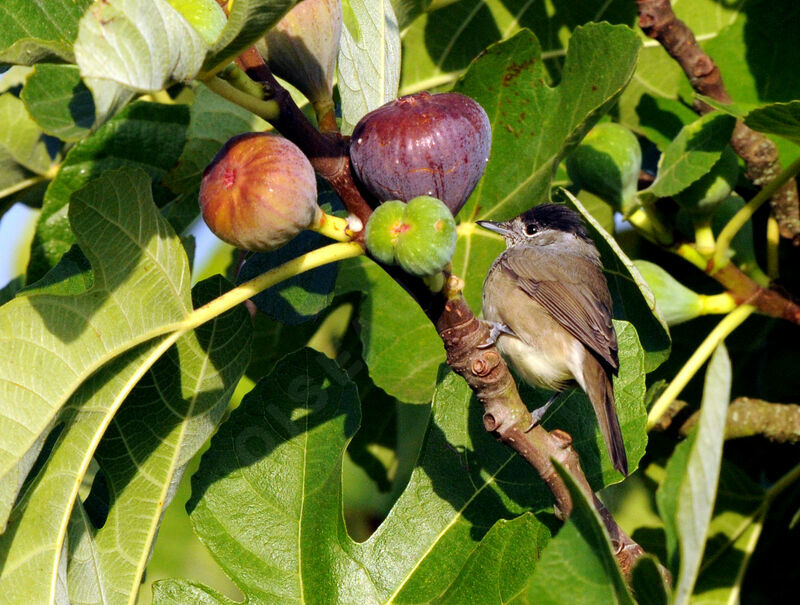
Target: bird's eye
column 530, row 229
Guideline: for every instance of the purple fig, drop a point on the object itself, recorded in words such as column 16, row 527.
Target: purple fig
column 423, row 144
column 303, row 46
column 258, row 192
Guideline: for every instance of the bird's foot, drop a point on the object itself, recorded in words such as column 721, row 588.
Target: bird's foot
column 538, row 413
column 496, row 328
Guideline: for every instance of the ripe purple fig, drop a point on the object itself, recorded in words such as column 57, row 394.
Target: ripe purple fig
column 258, row 192
column 303, row 46
column 423, row 144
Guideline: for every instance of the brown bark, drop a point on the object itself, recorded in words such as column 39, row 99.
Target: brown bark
column 658, row 21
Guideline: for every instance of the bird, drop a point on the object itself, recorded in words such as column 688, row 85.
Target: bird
column 549, row 309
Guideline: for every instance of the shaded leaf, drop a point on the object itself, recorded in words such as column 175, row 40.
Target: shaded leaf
column 692, row 154
column 163, row 423
column 166, row 48
column 368, row 67
column 140, row 289
column 272, row 477
column 148, row 136
column 648, row 583
column 534, row 125
column 59, row 101
column 39, row 31
column 578, row 565
column 782, row 119
column 20, row 137
column 401, row 346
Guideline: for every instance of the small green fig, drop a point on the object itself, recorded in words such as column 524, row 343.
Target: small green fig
column 383, row 228
column 703, row 196
column 303, row 46
column 419, row 236
column 258, row 192
column 607, row 163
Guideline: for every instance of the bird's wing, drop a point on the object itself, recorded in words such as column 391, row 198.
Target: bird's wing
column 554, row 281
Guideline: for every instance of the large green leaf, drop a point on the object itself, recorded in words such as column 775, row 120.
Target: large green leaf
column 38, row 31
column 20, row 137
column 165, row 421
column 248, row 21
column 149, row 136
column 439, row 46
column 140, row 44
column 534, row 125
column 578, row 565
column 401, row 347
column 267, row 498
column 56, row 336
column 368, row 66
column 59, row 101
column 686, row 497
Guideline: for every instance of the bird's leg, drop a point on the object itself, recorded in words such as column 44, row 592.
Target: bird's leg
column 496, row 328
column 538, row 413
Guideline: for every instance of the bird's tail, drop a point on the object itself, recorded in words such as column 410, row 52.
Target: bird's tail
column 597, row 384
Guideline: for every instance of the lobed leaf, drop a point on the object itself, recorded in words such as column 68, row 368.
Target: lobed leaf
column 535, row 125
column 368, row 67
column 140, row 287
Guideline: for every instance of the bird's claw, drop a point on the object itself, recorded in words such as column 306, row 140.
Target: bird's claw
column 496, row 328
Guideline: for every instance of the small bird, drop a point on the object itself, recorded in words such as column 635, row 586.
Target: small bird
column 549, row 307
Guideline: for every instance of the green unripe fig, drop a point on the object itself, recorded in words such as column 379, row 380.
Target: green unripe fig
column 419, row 236
column 703, row 196
column 428, row 244
column 607, row 163
column 383, row 229
column 258, row 192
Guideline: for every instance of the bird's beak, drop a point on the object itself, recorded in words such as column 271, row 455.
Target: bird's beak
column 499, row 228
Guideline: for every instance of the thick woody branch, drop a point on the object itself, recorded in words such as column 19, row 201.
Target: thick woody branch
column 508, row 418
column 658, row 21
column 745, row 290
column 777, row 422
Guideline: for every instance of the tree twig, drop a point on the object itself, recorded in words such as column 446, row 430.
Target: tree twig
column 760, row 154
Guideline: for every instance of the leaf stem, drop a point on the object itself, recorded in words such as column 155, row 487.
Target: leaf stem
column 728, row 324
column 773, row 240
column 333, row 227
column 238, row 295
column 688, row 253
column 269, row 110
column 746, row 213
column 16, row 187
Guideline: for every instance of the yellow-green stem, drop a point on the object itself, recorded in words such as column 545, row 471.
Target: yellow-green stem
column 333, row 227
column 728, row 324
column 687, row 252
column 238, row 295
column 717, row 304
column 238, row 78
column 17, row 187
column 269, row 110
column 704, row 236
column 746, row 213
column 647, row 220
column 773, row 241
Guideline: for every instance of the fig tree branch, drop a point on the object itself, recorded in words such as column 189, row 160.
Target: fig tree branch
column 658, row 21
column 777, row 422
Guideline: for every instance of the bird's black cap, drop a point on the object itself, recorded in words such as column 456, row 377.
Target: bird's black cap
column 556, row 216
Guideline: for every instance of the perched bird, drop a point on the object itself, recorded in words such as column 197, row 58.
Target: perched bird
column 549, row 307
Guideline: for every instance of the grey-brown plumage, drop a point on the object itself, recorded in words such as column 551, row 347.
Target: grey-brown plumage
column 549, row 303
